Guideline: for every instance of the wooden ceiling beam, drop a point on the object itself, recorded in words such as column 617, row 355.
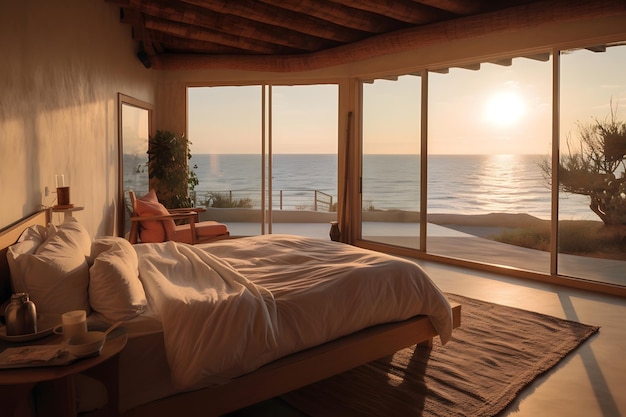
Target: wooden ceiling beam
column 281, row 18
column 503, row 62
column 471, row 67
column 411, row 12
column 130, row 16
column 174, row 43
column 539, row 57
column 339, row 14
column 202, row 18
column 203, row 34
column 458, row 7
column 501, row 21
column 597, row 48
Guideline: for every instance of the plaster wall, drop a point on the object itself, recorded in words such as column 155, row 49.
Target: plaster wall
column 63, row 64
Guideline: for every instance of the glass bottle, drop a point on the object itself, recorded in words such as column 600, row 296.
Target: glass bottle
column 20, row 315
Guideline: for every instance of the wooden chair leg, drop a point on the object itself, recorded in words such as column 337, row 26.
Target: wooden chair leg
column 134, row 230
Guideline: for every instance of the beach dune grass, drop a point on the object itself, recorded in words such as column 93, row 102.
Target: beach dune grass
column 576, row 237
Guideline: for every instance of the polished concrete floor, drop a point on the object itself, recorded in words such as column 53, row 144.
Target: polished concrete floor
column 590, row 382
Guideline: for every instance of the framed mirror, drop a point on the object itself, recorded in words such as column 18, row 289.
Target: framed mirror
column 134, row 129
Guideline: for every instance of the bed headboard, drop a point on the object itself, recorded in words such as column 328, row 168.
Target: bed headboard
column 9, row 236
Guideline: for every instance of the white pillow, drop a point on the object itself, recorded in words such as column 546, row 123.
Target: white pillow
column 28, row 243
column 70, row 231
column 54, row 273
column 114, row 287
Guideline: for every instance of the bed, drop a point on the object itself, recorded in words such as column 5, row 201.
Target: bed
column 267, row 280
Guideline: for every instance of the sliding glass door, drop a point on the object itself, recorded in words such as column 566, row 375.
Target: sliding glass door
column 266, row 157
column 391, row 161
column 304, row 159
column 225, row 130
column 592, row 193
column 489, row 133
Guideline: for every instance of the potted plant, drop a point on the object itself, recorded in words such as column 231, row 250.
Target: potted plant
column 168, row 169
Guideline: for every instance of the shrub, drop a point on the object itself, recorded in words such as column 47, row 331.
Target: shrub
column 527, row 238
column 218, row 200
column 575, row 237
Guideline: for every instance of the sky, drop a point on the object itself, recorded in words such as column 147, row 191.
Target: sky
column 495, row 110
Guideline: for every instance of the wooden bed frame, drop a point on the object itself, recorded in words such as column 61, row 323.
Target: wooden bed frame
column 276, row 378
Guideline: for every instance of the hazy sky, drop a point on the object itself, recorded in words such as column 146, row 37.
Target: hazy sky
column 497, row 109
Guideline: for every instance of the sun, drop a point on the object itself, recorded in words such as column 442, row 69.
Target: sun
column 504, row 108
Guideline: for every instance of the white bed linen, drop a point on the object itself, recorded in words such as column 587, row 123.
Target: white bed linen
column 231, row 306
column 216, row 324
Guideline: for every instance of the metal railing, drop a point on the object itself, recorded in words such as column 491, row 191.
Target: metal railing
column 314, row 200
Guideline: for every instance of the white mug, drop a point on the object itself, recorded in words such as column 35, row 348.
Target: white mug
column 74, row 324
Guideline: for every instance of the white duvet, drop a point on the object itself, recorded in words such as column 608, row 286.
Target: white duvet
column 232, row 306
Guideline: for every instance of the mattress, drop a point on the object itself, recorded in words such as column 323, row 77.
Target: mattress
column 321, row 290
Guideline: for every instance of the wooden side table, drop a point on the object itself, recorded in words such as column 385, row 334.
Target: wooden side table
column 17, row 384
column 67, row 212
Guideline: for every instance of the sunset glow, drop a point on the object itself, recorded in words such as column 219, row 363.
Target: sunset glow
column 504, row 108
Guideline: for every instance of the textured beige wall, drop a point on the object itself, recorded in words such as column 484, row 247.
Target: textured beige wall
column 62, row 66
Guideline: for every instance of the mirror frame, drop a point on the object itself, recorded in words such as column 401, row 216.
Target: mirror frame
column 122, row 101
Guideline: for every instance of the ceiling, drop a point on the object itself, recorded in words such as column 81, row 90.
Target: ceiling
column 209, row 33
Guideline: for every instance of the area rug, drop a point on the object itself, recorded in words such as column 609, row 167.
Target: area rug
column 496, row 352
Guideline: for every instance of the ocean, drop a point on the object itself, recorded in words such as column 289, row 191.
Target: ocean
column 462, row 184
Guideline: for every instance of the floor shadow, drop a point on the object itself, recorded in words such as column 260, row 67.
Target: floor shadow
column 600, row 386
column 391, row 386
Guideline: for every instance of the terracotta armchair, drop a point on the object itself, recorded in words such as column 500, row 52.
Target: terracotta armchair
column 152, row 222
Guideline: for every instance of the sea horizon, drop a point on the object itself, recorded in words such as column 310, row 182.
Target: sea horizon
column 457, row 184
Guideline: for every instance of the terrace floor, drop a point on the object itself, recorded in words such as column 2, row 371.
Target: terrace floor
column 470, row 246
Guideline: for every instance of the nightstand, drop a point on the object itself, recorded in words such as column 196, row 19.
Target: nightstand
column 17, row 384
column 67, row 211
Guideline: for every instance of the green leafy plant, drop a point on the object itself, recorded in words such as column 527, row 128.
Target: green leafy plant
column 168, row 169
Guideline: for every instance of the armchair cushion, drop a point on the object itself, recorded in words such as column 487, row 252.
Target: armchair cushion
column 204, row 229
column 154, row 230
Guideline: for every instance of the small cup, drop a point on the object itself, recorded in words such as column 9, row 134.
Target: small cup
column 74, row 324
column 63, row 196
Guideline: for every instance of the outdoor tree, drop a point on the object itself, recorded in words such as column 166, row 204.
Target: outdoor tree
column 595, row 166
